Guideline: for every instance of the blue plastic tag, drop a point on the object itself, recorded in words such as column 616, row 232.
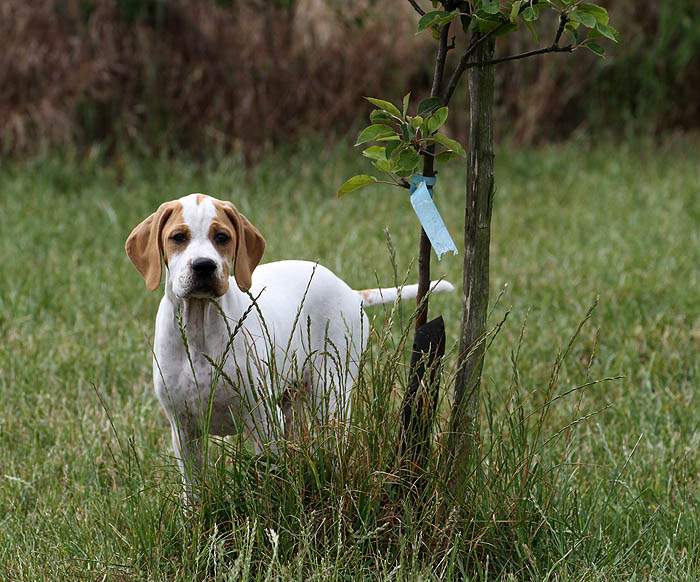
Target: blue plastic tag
column 428, row 215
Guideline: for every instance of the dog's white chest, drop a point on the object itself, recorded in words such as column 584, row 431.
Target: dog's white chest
column 192, row 397
column 188, row 386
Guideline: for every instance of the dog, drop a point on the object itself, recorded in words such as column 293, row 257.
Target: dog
column 234, row 338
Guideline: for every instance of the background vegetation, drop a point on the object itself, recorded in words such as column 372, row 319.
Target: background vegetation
column 88, row 489
column 197, row 75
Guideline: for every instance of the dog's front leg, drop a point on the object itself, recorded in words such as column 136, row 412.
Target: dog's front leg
column 187, row 446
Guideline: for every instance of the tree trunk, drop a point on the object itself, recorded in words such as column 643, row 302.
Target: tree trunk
column 464, row 421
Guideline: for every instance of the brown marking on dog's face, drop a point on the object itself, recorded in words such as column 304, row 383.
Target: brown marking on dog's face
column 145, row 243
column 222, row 234
column 175, row 235
column 248, row 244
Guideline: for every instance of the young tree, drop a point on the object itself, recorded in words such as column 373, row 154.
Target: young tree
column 483, row 22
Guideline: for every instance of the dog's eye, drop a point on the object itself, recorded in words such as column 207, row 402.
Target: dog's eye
column 179, row 237
column 221, row 238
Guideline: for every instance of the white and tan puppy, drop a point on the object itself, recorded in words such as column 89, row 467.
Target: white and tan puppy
column 266, row 327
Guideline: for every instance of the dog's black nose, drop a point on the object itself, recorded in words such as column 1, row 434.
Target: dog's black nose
column 203, row 266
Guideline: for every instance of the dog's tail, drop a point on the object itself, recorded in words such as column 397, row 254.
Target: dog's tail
column 378, row 296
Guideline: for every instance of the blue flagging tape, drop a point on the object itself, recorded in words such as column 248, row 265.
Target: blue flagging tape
column 428, row 215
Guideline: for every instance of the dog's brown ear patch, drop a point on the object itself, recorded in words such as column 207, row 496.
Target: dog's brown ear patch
column 144, row 246
column 250, row 246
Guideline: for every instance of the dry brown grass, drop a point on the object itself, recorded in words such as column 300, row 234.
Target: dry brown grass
column 191, row 72
column 198, row 74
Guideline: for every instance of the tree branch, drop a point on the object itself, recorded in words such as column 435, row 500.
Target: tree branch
column 462, row 66
column 418, row 9
column 440, row 61
column 563, row 19
column 550, row 49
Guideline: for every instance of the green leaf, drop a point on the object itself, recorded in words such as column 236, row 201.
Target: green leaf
column 506, row 29
column 530, row 13
column 445, row 156
column 386, row 106
column 375, row 153
column 407, row 161
column 356, row 182
column 379, row 116
column 372, row 132
column 572, row 28
column 408, row 132
column 585, row 18
column 416, row 121
column 598, row 12
column 490, row 6
column 382, row 165
column 435, row 17
column 607, row 31
column 533, row 32
column 427, row 106
column 437, row 120
column 406, row 98
column 486, row 22
column 515, row 9
column 450, row 144
column 596, row 48
column 391, row 148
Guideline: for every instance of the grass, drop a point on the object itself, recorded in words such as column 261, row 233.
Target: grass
column 88, row 490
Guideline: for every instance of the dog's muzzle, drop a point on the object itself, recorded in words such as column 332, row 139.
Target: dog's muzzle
column 205, row 282
column 203, row 268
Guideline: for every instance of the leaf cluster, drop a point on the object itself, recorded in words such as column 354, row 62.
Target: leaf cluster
column 492, row 18
column 401, row 139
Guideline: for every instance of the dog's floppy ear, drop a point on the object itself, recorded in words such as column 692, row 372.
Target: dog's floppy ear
column 144, row 246
column 250, row 246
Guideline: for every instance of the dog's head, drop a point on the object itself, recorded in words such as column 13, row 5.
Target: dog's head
column 201, row 239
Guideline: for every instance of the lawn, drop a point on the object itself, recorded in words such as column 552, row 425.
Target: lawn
column 88, row 490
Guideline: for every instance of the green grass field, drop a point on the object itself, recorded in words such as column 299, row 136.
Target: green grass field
column 89, row 491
